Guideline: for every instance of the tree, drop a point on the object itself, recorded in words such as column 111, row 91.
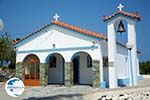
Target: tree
column 7, row 52
column 145, row 67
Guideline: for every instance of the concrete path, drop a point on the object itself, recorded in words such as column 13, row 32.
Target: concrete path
column 78, row 92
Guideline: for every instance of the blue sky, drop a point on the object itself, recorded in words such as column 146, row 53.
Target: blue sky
column 22, row 17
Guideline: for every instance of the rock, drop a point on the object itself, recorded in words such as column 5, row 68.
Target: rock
column 108, row 97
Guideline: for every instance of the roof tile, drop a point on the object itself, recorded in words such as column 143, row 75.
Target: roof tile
column 77, row 29
column 67, row 26
column 132, row 15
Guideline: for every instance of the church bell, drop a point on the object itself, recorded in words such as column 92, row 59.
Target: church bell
column 121, row 27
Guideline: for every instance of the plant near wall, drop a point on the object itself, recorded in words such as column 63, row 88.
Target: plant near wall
column 7, row 52
column 145, row 67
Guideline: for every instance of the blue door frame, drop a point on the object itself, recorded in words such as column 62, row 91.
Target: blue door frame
column 78, row 58
column 63, row 72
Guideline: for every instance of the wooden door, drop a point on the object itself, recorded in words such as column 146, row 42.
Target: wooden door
column 31, row 71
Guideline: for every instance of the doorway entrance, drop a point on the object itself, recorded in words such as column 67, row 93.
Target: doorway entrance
column 82, row 68
column 31, row 70
column 56, row 68
column 75, row 70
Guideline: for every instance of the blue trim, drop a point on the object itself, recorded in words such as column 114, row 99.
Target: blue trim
column 63, row 67
column 63, row 71
column 79, row 69
column 107, row 84
column 58, row 49
column 42, row 30
column 103, row 84
column 123, row 81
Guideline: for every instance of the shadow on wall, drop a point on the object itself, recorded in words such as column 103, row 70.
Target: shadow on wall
column 59, row 97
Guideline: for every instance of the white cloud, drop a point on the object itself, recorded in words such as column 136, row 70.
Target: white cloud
column 1, row 25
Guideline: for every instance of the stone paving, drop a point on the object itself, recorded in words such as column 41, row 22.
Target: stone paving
column 121, row 94
column 50, row 92
column 53, row 91
column 140, row 92
column 80, row 92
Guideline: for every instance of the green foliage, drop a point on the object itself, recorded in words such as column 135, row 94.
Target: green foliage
column 145, row 67
column 7, row 52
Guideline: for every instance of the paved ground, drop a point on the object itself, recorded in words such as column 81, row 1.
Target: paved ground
column 49, row 92
column 144, row 83
column 56, row 92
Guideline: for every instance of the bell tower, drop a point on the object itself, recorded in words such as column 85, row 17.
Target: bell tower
column 114, row 25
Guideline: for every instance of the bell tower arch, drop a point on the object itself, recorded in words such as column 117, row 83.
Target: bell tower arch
column 115, row 24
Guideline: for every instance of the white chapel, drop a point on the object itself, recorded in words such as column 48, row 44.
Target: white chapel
column 61, row 53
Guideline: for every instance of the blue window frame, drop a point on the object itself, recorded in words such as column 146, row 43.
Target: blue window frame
column 89, row 61
column 52, row 62
column 105, row 61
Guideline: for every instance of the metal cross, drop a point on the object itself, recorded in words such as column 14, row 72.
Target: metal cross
column 56, row 16
column 120, row 6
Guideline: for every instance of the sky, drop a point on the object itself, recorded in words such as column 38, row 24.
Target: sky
column 22, row 17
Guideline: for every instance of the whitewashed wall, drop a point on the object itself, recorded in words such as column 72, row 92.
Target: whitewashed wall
column 138, row 66
column 85, row 73
column 122, row 62
column 121, row 65
column 55, row 75
column 104, row 48
column 63, row 38
column 68, row 40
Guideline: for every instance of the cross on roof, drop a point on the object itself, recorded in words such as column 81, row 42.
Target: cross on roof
column 120, row 6
column 56, row 16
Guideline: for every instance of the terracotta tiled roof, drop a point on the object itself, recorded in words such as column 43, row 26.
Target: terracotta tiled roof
column 67, row 26
column 77, row 29
column 132, row 15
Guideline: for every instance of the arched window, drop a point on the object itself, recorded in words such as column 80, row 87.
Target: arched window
column 105, row 61
column 89, row 61
column 52, row 61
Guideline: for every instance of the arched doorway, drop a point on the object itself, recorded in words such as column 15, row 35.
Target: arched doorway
column 55, row 69
column 31, row 70
column 82, row 68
